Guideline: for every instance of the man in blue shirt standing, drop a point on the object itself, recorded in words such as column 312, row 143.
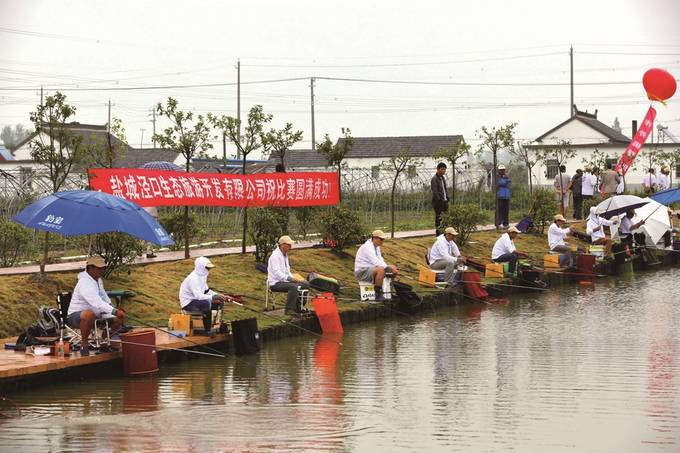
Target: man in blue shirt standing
column 503, row 184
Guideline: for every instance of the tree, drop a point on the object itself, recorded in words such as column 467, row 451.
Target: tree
column 495, row 140
column 277, row 142
column 250, row 141
column 12, row 136
column 335, row 154
column 652, row 157
column 104, row 153
column 672, row 159
column 464, row 218
column 185, row 137
column 558, row 153
column 399, row 162
column 55, row 147
column 528, row 157
column 452, row 154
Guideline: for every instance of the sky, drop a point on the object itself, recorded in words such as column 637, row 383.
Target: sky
column 465, row 64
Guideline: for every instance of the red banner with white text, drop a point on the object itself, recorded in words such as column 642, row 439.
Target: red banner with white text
column 171, row 188
column 638, row 141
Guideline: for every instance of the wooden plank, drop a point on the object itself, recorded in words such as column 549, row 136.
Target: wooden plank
column 15, row 365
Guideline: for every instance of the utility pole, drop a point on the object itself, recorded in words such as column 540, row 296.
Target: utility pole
column 141, row 141
column 571, row 84
column 41, row 95
column 311, row 85
column 224, row 149
column 108, row 123
column 238, row 104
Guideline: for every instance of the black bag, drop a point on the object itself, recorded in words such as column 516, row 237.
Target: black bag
column 246, row 336
column 409, row 301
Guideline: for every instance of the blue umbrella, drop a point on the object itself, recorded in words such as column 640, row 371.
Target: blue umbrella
column 666, row 197
column 162, row 165
column 78, row 212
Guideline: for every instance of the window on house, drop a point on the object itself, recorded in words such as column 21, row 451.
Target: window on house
column 551, row 168
column 375, row 171
column 411, row 171
column 612, row 161
column 677, row 171
column 26, row 177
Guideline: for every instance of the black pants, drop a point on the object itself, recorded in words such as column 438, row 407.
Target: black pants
column 578, row 206
column 439, row 206
column 292, row 289
column 503, row 216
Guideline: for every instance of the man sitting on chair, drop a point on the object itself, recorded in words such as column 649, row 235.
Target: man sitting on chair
column 90, row 302
column 444, row 254
column 279, row 277
column 195, row 295
column 595, row 229
column 556, row 235
column 369, row 265
column 504, row 250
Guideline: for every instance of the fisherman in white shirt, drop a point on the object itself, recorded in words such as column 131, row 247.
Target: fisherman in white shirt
column 90, row 302
column 196, row 295
column 445, row 255
column 628, row 226
column 595, row 229
column 369, row 265
column 504, row 249
column 280, row 279
column 588, row 184
column 556, row 235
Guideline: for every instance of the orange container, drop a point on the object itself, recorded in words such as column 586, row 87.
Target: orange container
column 493, row 270
column 139, row 353
column 551, row 261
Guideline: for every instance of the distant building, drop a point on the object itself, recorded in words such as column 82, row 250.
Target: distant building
column 587, row 134
column 5, row 154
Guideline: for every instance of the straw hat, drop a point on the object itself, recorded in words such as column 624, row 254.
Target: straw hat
column 451, row 230
column 286, row 240
column 560, row 217
column 96, row 261
column 512, row 229
column 379, row 234
column 501, row 167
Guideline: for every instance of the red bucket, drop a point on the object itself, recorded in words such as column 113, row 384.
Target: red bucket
column 586, row 266
column 139, row 353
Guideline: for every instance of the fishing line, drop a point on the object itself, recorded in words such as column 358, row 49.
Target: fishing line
column 167, row 348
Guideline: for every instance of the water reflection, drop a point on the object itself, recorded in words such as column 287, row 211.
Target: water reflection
column 586, row 369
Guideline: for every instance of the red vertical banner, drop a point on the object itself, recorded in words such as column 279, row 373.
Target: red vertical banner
column 634, row 147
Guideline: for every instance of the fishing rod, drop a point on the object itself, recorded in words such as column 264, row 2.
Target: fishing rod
column 167, row 348
column 215, row 351
column 233, row 298
column 462, row 293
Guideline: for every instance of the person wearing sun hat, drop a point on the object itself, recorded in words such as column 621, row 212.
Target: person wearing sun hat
column 196, row 295
column 504, row 249
column 90, row 302
column 279, row 277
column 369, row 265
column 556, row 235
column 445, row 255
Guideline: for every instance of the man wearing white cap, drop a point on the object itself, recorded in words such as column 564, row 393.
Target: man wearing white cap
column 595, row 229
column 369, row 265
column 90, row 302
column 196, row 295
column 279, row 277
column 503, row 184
column 504, row 250
column 556, row 235
column 445, row 255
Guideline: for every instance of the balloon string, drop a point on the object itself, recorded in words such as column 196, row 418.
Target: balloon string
column 651, row 97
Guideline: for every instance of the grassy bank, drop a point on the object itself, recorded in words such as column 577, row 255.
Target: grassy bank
column 157, row 285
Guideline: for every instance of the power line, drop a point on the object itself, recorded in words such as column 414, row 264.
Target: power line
column 508, row 84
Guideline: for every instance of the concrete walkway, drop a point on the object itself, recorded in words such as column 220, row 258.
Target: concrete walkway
column 194, row 252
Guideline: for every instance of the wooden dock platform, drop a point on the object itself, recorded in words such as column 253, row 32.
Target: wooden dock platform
column 19, row 366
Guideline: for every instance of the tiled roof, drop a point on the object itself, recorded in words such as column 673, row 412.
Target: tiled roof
column 300, row 158
column 590, row 120
column 135, row 158
column 419, row 146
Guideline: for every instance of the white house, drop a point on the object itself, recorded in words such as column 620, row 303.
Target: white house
column 587, row 134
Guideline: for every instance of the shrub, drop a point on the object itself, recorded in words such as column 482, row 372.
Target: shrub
column 464, row 218
column 15, row 242
column 119, row 250
column 266, row 225
column 340, row 227
column 173, row 222
column 305, row 217
column 543, row 208
column 587, row 204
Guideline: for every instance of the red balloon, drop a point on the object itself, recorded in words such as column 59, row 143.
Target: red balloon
column 659, row 84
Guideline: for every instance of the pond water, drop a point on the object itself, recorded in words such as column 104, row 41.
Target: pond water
column 574, row 369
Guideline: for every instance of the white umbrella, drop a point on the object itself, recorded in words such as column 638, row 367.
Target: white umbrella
column 619, row 204
column 656, row 220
